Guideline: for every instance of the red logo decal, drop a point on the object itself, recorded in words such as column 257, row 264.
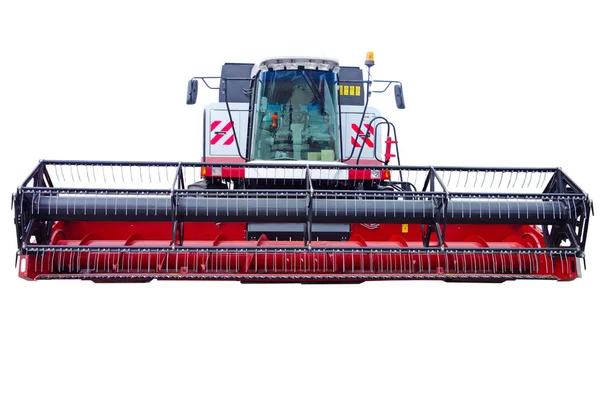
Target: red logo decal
column 361, row 134
column 225, row 133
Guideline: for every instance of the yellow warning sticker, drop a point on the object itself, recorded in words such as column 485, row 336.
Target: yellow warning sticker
column 404, row 228
column 346, row 90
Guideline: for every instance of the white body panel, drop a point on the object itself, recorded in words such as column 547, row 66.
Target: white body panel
column 219, row 141
column 351, row 116
column 296, row 173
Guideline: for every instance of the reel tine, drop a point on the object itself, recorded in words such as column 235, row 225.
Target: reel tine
column 519, row 254
column 94, row 263
column 62, row 173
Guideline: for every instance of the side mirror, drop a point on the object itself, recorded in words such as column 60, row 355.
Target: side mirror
column 192, row 92
column 399, row 95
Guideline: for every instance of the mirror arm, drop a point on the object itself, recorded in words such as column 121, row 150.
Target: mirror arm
column 389, row 83
column 203, row 79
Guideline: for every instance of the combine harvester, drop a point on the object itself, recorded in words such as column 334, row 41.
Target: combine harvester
column 296, row 185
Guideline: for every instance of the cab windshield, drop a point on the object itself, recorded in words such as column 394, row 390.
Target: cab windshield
column 296, row 116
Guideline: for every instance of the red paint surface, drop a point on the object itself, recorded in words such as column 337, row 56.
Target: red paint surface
column 190, row 263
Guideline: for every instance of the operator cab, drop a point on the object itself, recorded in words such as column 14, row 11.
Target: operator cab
column 294, row 111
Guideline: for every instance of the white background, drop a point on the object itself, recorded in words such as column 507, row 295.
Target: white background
column 513, row 83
